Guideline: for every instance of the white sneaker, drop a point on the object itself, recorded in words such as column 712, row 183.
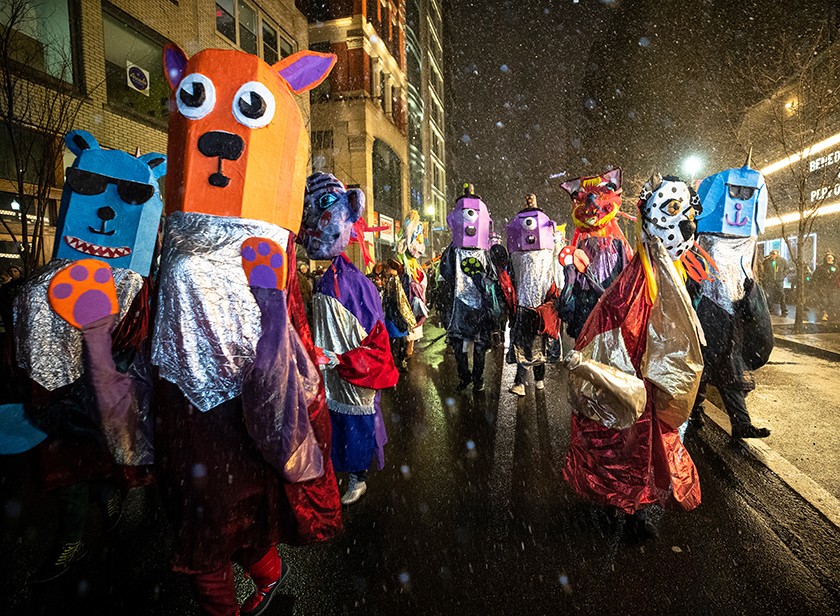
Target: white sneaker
column 355, row 489
column 539, row 384
column 518, row 389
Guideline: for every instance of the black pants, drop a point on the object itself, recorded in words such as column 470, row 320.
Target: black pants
column 399, row 348
column 522, row 371
column 734, row 402
column 461, row 359
column 776, row 295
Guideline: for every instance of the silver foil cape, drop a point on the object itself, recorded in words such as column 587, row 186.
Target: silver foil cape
column 208, row 322
column 48, row 347
column 465, row 289
column 673, row 359
column 534, row 272
column 734, row 257
column 336, row 329
column 603, row 385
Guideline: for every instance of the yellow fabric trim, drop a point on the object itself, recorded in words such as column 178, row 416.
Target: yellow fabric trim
column 678, row 265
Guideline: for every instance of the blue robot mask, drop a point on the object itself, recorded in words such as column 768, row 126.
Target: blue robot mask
column 110, row 206
column 329, row 212
column 734, row 203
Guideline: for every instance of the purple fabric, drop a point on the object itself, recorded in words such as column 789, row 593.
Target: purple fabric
column 306, row 70
column 379, row 432
column 604, row 254
column 276, row 391
column 116, row 397
column 355, row 292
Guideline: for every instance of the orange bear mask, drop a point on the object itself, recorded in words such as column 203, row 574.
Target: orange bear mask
column 237, row 143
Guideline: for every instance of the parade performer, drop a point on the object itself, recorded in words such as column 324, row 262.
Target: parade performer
column 471, row 297
column 242, row 429
column 81, row 333
column 732, row 308
column 348, row 326
column 410, row 247
column 598, row 250
column 530, row 242
column 636, row 368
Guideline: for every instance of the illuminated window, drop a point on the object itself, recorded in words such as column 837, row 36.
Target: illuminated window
column 247, row 28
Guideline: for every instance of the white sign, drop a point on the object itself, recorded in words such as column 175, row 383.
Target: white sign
column 386, row 235
column 137, row 78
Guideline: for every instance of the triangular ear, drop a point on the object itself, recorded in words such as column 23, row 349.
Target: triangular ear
column 614, row 176
column 305, row 70
column 174, row 64
column 571, row 186
column 156, row 162
column 80, row 140
column 356, row 201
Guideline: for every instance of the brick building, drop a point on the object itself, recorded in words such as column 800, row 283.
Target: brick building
column 359, row 114
column 109, row 42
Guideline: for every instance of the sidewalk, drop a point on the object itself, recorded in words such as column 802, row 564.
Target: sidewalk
column 796, row 397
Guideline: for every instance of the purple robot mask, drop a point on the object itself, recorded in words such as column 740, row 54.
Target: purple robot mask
column 530, row 229
column 470, row 222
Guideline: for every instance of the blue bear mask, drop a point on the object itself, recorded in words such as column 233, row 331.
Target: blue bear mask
column 329, row 213
column 734, row 203
column 110, row 206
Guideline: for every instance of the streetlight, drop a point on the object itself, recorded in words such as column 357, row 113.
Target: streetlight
column 15, row 205
column 692, row 166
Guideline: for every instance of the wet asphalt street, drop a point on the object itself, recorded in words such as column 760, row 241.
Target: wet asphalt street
column 471, row 516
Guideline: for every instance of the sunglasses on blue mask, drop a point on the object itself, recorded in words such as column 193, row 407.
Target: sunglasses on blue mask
column 89, row 183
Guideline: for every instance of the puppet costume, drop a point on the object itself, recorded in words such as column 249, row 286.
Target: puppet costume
column 81, row 332
column 732, row 308
column 471, row 298
column 530, row 238
column 635, row 371
column 349, row 325
column 410, row 247
column 242, row 428
column 598, row 250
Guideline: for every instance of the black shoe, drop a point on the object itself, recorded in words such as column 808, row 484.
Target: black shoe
column 639, row 527
column 112, row 510
column 463, row 384
column 749, row 432
column 61, row 560
column 697, row 419
column 478, row 386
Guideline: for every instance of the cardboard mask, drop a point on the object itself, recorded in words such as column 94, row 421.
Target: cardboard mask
column 595, row 199
column 412, row 240
column 530, row 229
column 237, row 141
column 329, row 213
column 734, row 203
column 470, row 222
column 668, row 207
column 110, row 205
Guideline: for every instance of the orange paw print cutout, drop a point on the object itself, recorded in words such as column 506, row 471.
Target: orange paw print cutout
column 265, row 263
column 569, row 255
column 83, row 292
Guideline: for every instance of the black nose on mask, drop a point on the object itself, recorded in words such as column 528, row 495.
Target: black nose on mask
column 687, row 228
column 226, row 146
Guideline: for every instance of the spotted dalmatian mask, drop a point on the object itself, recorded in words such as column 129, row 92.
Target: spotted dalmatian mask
column 668, row 207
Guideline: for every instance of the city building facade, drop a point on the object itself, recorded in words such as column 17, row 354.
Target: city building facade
column 426, row 128
column 359, row 123
column 112, row 52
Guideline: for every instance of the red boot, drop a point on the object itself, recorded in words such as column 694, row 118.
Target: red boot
column 268, row 574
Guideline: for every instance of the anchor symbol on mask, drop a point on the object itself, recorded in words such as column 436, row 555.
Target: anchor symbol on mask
column 738, row 220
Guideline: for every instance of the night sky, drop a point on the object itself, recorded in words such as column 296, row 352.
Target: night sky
column 539, row 92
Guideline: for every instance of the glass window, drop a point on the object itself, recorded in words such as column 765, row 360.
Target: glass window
column 269, row 35
column 134, row 76
column 226, row 19
column 42, row 39
column 247, row 28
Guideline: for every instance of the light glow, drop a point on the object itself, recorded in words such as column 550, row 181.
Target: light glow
column 823, row 210
column 692, row 166
column 814, row 149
